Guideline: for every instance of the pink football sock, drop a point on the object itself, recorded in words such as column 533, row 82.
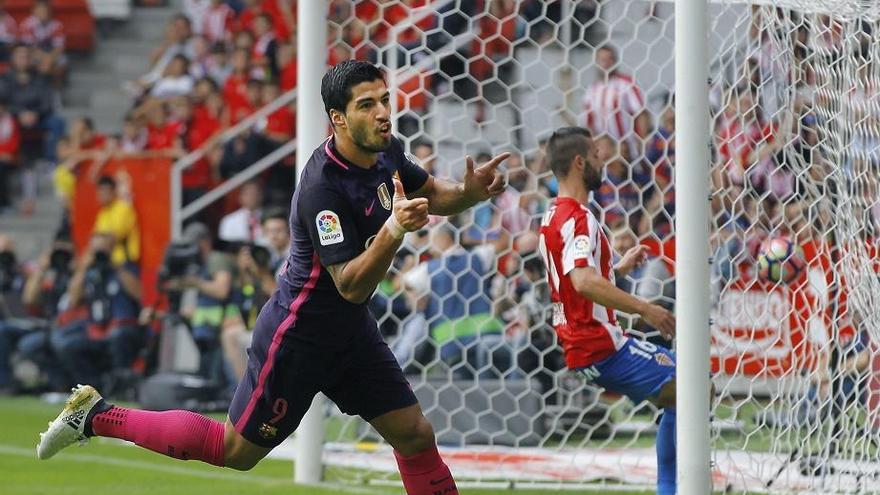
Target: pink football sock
column 425, row 474
column 179, row 434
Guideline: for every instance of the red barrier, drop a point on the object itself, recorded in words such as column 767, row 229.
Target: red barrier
column 763, row 329
column 151, row 193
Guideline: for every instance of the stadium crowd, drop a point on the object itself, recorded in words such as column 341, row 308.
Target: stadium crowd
column 467, row 295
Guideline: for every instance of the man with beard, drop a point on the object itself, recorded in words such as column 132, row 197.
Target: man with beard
column 357, row 198
column 581, row 278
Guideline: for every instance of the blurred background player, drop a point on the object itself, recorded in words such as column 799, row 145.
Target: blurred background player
column 346, row 230
column 581, row 277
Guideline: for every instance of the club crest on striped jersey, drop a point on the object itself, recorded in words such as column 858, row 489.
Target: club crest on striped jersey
column 663, row 359
column 384, row 196
column 329, row 228
column 581, row 246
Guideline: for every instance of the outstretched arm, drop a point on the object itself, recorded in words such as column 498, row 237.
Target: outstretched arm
column 480, row 183
column 590, row 284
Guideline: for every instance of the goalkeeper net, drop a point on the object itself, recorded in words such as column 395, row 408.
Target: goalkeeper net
column 795, row 153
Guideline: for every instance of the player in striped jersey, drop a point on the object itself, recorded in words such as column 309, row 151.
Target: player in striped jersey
column 581, row 278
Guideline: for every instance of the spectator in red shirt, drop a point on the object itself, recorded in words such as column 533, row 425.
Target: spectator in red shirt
column 9, row 143
column 161, row 135
column 246, row 17
column 242, row 109
column 280, row 124
column 46, row 36
column 235, row 87
column 283, row 14
column 280, row 127
column 287, row 63
column 84, row 137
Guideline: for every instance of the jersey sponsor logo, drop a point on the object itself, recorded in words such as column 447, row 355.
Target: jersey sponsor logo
column 329, row 228
column 581, row 246
column 384, row 197
column 369, row 210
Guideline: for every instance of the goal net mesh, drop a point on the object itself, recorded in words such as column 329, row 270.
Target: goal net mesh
column 795, row 152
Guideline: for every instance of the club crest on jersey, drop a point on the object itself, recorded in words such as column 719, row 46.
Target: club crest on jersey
column 329, row 228
column 384, row 197
column 267, row 431
column 663, row 359
column 581, row 246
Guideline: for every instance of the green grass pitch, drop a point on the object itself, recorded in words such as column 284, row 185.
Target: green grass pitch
column 109, row 467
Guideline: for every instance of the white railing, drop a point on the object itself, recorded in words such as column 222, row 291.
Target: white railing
column 178, row 213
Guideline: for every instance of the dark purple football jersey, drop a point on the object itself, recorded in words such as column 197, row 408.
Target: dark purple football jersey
column 336, row 211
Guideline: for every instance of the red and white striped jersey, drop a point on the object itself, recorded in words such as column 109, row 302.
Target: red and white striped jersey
column 46, row 36
column 217, row 23
column 612, row 106
column 570, row 237
column 8, row 29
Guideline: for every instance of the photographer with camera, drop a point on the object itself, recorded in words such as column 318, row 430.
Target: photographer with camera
column 254, row 286
column 112, row 338
column 13, row 326
column 48, row 315
column 215, row 312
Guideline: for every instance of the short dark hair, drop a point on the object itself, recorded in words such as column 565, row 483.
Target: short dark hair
column 276, row 213
column 106, row 180
column 564, row 144
column 338, row 81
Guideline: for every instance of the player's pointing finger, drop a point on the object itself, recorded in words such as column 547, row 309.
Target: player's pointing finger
column 399, row 193
column 494, row 162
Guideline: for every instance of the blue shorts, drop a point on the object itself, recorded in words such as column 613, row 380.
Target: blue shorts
column 638, row 370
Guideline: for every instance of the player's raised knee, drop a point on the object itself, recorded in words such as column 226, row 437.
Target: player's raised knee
column 240, row 460
column 241, row 454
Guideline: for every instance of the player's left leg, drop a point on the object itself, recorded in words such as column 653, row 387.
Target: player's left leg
column 643, row 371
column 374, row 387
column 411, row 435
column 666, row 481
column 179, row 434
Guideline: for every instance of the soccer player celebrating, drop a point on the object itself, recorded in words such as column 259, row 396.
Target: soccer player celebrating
column 358, row 196
column 584, row 297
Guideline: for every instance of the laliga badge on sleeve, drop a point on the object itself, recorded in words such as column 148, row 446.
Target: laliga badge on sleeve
column 329, row 228
column 581, row 246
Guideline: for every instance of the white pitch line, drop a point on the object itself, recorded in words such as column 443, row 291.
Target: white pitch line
column 153, row 467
